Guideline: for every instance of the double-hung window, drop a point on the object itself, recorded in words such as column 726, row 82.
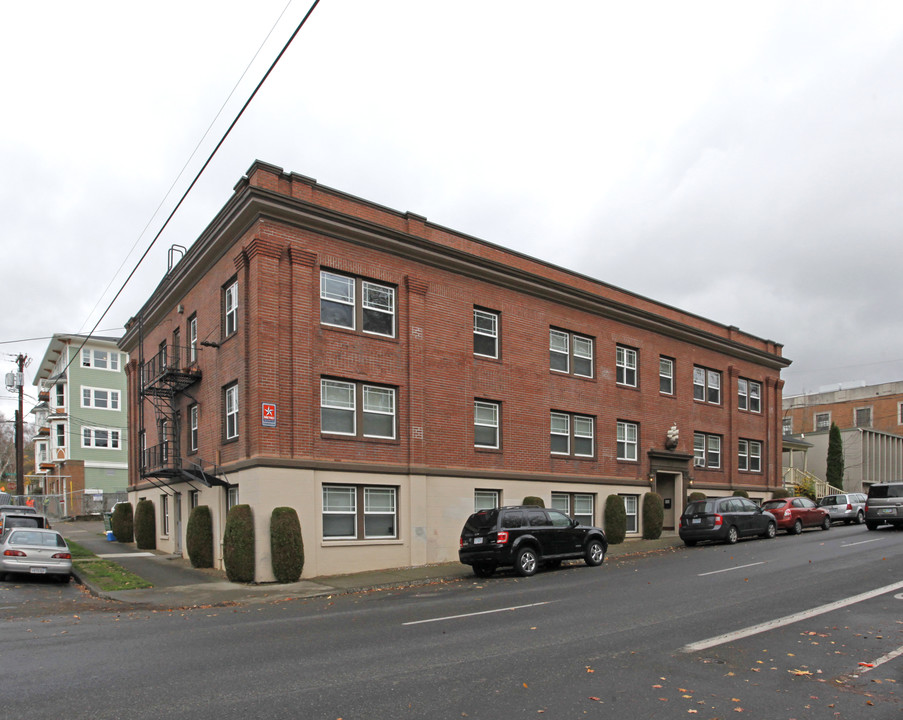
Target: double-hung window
column 93, row 437
column 863, row 417
column 823, row 421
column 570, row 353
column 193, row 338
column 230, row 308
column 628, row 440
column 749, row 455
column 706, row 385
column 351, row 512
column 666, row 375
column 579, row 506
column 749, row 395
column 100, row 398
column 357, row 409
column 352, row 302
column 485, row 333
column 485, row 500
column 572, row 434
column 626, row 362
column 631, row 506
column 100, row 359
column 193, row 426
column 486, row 415
column 230, row 407
column 706, row 450
column 60, row 435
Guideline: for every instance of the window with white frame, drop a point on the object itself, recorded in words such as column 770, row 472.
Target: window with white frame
column 230, row 308
column 486, row 415
column 193, row 338
column 631, row 506
column 164, row 513
column 230, row 411
column 580, row 506
column 863, row 417
column 193, row 426
column 626, row 366
column 194, row 498
column 60, row 435
column 666, row 375
column 572, row 434
column 749, row 455
column 749, row 395
column 231, row 497
column 105, row 438
column 100, row 359
column 787, row 425
column 485, row 333
column 706, row 385
column 59, row 396
column 628, row 439
column 570, row 353
column 706, row 450
column 823, row 421
column 357, row 409
column 900, row 413
column 351, row 512
column 485, row 500
column 100, row 398
column 42, row 453
column 352, row 303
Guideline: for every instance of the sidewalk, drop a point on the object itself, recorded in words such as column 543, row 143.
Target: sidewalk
column 178, row 585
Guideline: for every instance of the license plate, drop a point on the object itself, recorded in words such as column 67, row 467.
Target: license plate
column 478, row 541
column 886, row 511
column 37, row 571
column 696, row 521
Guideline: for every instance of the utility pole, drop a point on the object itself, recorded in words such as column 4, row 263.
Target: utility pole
column 20, row 432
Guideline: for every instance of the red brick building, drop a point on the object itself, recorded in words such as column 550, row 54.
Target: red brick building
column 384, row 376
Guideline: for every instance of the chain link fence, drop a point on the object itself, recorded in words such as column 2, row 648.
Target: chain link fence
column 67, row 506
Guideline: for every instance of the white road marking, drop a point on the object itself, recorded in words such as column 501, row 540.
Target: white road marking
column 126, row 555
column 788, row 619
column 883, row 659
column 739, row 567
column 861, row 542
column 484, row 612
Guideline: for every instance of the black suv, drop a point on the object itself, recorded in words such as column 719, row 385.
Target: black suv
column 527, row 536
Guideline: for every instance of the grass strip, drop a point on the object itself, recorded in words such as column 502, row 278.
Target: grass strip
column 103, row 574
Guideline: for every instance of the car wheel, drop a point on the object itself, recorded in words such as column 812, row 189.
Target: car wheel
column 871, row 525
column 797, row 527
column 483, row 570
column 770, row 531
column 595, row 553
column 732, row 535
column 860, row 518
column 826, row 524
column 525, row 562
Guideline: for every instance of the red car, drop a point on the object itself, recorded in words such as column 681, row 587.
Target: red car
column 794, row 513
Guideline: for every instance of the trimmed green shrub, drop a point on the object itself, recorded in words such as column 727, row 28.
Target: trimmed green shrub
column 653, row 516
column 741, row 493
column 534, row 500
column 199, row 537
column 780, row 493
column 145, row 525
column 123, row 522
column 286, row 545
column 696, row 496
column 238, row 544
column 615, row 519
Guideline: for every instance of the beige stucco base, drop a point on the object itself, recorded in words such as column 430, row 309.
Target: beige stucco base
column 431, row 512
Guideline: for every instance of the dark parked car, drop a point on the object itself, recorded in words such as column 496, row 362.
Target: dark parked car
column 525, row 537
column 846, row 507
column 795, row 513
column 884, row 505
column 36, row 552
column 724, row 520
column 14, row 512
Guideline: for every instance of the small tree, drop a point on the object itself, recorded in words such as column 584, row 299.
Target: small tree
column 238, row 544
column 834, row 471
column 696, row 496
column 780, row 493
column 534, row 500
column 653, row 516
column 286, row 545
column 741, row 493
column 615, row 519
column 145, row 525
column 199, row 537
column 123, row 522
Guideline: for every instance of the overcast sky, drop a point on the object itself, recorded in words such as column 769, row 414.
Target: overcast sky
column 742, row 161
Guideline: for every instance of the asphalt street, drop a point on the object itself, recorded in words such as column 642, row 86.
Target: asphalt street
column 616, row 641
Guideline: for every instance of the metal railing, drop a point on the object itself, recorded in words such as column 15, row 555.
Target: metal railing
column 799, row 481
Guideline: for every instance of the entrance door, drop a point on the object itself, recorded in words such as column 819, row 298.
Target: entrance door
column 666, row 486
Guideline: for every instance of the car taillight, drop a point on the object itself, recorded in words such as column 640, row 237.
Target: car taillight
column 787, row 513
column 718, row 520
column 461, row 541
column 849, row 506
column 14, row 553
column 502, row 537
column 62, row 556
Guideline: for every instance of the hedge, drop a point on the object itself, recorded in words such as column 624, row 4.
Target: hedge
column 653, row 516
column 238, row 544
column 615, row 520
column 199, row 537
column 145, row 525
column 122, row 523
column 286, row 545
